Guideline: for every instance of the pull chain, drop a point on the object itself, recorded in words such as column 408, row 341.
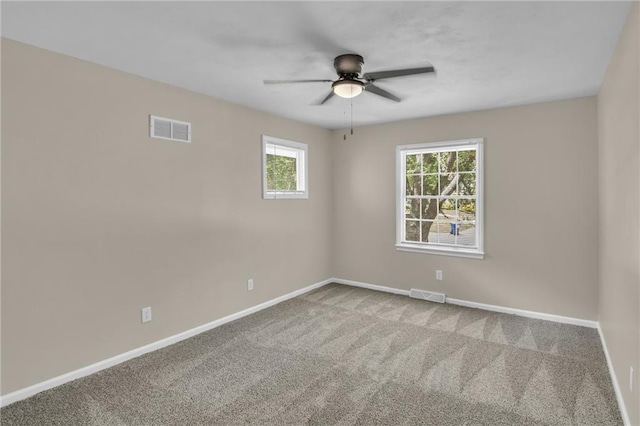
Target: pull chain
column 344, row 137
column 352, row 112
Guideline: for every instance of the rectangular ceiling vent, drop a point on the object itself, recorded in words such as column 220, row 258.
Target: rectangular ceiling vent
column 427, row 295
column 166, row 128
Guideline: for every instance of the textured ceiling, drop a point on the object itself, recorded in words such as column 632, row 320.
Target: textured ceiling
column 487, row 54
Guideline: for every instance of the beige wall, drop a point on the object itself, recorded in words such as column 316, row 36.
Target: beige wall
column 619, row 171
column 99, row 220
column 541, row 208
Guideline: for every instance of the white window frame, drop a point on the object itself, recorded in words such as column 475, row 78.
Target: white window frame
column 302, row 168
column 420, row 247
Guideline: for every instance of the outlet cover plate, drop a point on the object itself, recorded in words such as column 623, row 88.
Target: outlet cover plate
column 146, row 314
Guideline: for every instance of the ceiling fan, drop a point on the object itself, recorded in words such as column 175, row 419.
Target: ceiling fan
column 350, row 84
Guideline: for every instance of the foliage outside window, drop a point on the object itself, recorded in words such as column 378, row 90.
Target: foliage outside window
column 440, row 198
column 284, row 168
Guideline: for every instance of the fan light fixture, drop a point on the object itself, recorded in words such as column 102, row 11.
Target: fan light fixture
column 352, row 82
column 347, row 88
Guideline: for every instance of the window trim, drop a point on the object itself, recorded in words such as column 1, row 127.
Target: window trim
column 302, row 169
column 476, row 253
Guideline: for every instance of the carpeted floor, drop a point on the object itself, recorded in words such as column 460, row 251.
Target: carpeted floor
column 344, row 355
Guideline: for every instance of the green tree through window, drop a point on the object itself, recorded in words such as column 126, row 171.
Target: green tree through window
column 284, row 168
column 281, row 173
column 439, row 198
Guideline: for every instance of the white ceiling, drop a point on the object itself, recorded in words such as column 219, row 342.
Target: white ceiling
column 487, row 54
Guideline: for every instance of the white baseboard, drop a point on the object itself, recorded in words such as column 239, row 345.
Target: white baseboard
column 24, row 393
column 520, row 312
column 118, row 359
column 616, row 386
column 494, row 308
column 523, row 313
column 371, row 286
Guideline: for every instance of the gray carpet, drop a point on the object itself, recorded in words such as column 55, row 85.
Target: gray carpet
column 344, row 355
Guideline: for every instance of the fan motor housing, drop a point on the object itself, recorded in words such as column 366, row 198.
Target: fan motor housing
column 349, row 65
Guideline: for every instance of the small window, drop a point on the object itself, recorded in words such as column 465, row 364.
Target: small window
column 439, row 198
column 284, row 168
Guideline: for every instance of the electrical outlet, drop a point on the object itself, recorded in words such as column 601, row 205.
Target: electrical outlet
column 250, row 284
column 439, row 275
column 631, row 377
column 146, row 314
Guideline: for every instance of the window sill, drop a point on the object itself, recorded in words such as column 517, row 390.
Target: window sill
column 442, row 251
column 282, row 196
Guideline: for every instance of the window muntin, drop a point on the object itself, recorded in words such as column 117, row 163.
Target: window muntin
column 440, row 199
column 284, row 168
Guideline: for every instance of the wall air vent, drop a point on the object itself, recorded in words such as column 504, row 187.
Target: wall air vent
column 427, row 295
column 166, row 128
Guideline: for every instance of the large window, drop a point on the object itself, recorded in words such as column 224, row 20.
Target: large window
column 440, row 198
column 284, row 168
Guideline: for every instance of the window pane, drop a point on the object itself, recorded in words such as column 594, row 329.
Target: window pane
column 414, row 185
column 430, row 185
column 443, row 229
column 446, row 231
column 467, row 161
column 467, row 184
column 412, row 208
column 447, row 209
column 429, row 208
column 281, row 173
column 436, row 232
column 448, row 183
column 412, row 230
column 449, row 221
column 430, row 163
column 467, row 210
column 448, row 162
column 467, row 235
column 413, row 164
column 429, row 231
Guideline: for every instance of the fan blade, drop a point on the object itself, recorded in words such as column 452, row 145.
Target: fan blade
column 381, row 92
column 325, row 98
column 377, row 75
column 295, row 81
